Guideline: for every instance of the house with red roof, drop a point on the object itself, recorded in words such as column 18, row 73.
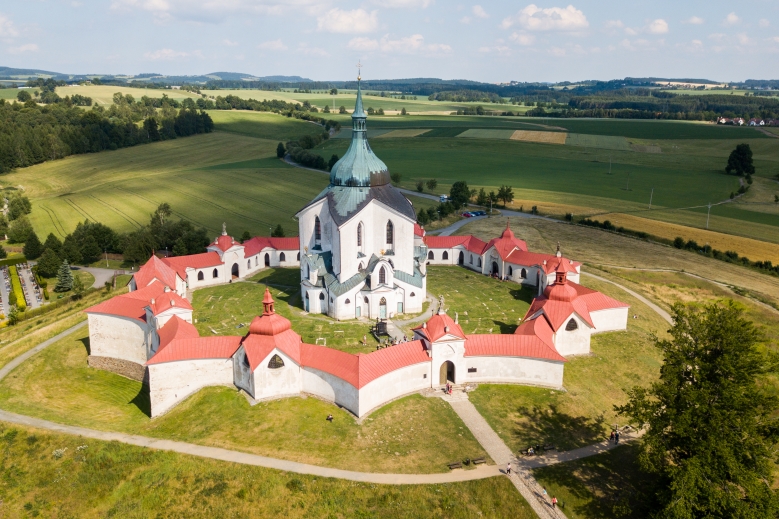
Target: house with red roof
column 505, row 257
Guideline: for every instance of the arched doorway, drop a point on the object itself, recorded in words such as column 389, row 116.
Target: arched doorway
column 447, row 373
column 461, row 259
column 235, row 270
column 383, row 308
column 494, row 268
column 267, row 259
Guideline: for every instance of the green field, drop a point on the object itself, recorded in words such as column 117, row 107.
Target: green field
column 9, row 93
column 104, row 94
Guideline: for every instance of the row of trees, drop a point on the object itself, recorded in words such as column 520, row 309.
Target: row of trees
column 460, row 195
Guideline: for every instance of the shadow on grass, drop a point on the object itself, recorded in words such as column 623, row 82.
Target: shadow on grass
column 609, row 485
column 505, row 328
column 550, row 425
column 85, row 342
column 142, row 400
column 526, row 294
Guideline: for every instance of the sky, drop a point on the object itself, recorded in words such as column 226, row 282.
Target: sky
column 497, row 41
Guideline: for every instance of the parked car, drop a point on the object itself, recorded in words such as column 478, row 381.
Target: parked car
column 467, row 214
column 479, row 213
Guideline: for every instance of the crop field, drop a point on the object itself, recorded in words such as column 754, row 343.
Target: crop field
column 597, row 141
column 263, row 125
column 9, row 93
column 104, row 94
column 395, row 134
column 536, row 136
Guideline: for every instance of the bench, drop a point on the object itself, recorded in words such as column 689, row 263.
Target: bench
column 549, row 447
column 477, row 461
column 455, row 465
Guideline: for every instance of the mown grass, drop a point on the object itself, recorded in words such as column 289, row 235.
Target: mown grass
column 58, row 385
column 94, row 479
column 263, row 125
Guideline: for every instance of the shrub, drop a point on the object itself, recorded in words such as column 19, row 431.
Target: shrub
column 16, row 288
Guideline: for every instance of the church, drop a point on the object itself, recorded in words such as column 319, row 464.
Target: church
column 361, row 255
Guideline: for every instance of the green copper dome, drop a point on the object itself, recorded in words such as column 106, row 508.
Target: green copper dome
column 359, row 167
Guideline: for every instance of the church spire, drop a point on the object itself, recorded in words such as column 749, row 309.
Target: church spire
column 358, row 116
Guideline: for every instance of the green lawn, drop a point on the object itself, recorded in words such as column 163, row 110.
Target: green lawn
column 58, row 385
column 95, row 479
column 263, row 125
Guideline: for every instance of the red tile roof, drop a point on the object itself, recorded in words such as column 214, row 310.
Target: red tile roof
column 520, row 257
column 132, row 304
column 520, row 345
column 191, row 348
column 338, row 363
column 224, row 242
column 195, row 261
column 418, row 230
column 259, row 346
column 258, row 243
column 168, row 300
column 153, row 269
column 176, row 328
column 506, row 244
column 471, row 243
column 436, row 327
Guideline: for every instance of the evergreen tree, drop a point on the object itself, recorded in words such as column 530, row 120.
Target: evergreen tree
column 49, row 263
column 278, row 232
column 180, row 248
column 52, row 242
column 280, row 151
column 64, row 278
column 3, row 253
column 33, row 248
column 246, row 236
column 712, row 418
column 423, row 218
column 740, row 161
column 459, row 194
column 19, row 230
column 90, row 250
column 70, row 250
column 332, row 161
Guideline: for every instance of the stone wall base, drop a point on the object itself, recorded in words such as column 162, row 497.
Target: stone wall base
column 119, row 366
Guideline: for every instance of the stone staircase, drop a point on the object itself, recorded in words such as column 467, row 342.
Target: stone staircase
column 458, row 394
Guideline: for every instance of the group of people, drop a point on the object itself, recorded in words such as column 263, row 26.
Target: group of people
column 614, row 437
column 393, row 342
column 553, row 502
column 448, row 389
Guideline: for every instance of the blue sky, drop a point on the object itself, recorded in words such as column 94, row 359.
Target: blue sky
column 323, row 39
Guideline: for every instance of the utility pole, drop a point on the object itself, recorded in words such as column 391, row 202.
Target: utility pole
column 650, row 198
column 707, row 216
column 627, row 188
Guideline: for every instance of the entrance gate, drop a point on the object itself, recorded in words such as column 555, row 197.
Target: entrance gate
column 447, row 373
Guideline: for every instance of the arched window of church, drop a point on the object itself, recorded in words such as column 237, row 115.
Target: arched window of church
column 282, row 257
column 246, row 361
column 275, row 362
column 523, row 274
column 317, row 229
column 256, row 260
column 249, row 264
column 571, row 326
column 511, row 271
column 361, row 266
column 382, row 276
column 430, row 255
column 298, row 256
column 412, row 294
column 365, row 299
column 445, row 256
column 200, row 276
column 216, row 273
column 348, row 301
column 478, row 264
column 390, row 232
column 359, row 235
column 321, row 296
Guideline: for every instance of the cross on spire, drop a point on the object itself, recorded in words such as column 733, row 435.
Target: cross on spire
column 359, row 70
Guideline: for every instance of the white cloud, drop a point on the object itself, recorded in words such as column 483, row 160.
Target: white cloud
column 743, row 39
column 303, row 48
column 764, row 23
column 693, row 46
column 500, row 50
column 348, row 22
column 465, row 19
column 775, row 39
column 533, row 18
column 479, row 11
column 658, row 26
column 7, row 28
column 522, row 38
column 230, row 43
column 614, row 24
column 694, row 20
column 630, row 31
column 731, row 19
column 557, row 52
column 210, row 11
column 27, row 47
column 165, row 54
column 404, row 4
column 414, row 44
column 272, row 45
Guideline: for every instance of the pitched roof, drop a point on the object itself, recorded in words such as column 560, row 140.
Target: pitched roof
column 258, row 347
column 132, row 304
column 196, row 261
column 506, row 243
column 225, row 242
column 153, row 269
column 258, row 243
column 547, row 262
column 529, row 345
column 166, row 301
column 471, row 243
column 176, row 328
column 192, row 348
column 418, row 230
column 359, row 370
column 440, row 325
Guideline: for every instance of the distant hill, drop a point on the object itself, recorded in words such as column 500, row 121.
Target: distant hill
column 672, row 80
column 8, row 72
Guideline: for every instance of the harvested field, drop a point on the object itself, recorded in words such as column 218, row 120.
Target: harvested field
column 484, row 133
column 543, row 137
column 752, row 249
column 646, row 149
column 597, row 141
column 410, row 132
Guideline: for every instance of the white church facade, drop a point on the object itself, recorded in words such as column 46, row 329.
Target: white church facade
column 360, row 255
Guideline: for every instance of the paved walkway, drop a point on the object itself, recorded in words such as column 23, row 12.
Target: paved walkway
column 101, row 275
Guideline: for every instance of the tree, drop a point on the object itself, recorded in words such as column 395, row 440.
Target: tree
column 33, row 248
column 19, row 230
column 711, row 415
column 245, row 236
column 49, row 263
column 420, row 186
column 481, row 198
column 52, row 242
column 3, row 253
column 152, row 129
column 396, row 178
column 432, row 184
column 78, row 287
column 422, row 217
column 506, row 194
column 278, row 232
column 332, row 162
column 180, row 248
column 402, row 111
column 90, row 250
column 137, row 246
column 71, row 251
column 341, row 109
column 23, row 96
column 326, row 109
column 333, row 91
column 64, row 278
column 740, row 161
column 18, row 205
column 13, row 316
column 459, row 194
column 280, row 151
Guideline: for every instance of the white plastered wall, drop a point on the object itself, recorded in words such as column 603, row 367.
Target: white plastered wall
column 450, row 349
column 329, row 387
column 574, row 342
column 610, row 320
column 118, row 337
column 172, row 382
column 283, row 381
column 520, row 370
column 164, row 317
column 393, row 385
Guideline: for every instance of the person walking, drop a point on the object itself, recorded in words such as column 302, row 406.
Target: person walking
column 508, row 468
column 554, row 502
column 616, row 438
column 611, row 437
